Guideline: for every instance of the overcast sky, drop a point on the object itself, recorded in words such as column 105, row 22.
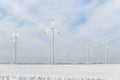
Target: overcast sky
column 79, row 21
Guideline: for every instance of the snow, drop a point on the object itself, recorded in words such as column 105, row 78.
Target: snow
column 62, row 72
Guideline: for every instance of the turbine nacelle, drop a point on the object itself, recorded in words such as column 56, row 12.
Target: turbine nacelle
column 16, row 35
column 104, row 42
column 107, row 40
column 86, row 46
column 52, row 28
column 52, row 23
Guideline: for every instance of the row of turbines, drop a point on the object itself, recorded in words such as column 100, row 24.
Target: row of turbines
column 107, row 49
column 51, row 53
column 15, row 36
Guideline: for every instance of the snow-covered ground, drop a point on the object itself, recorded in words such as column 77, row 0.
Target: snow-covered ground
column 61, row 72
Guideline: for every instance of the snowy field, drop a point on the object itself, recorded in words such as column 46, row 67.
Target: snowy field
column 60, row 72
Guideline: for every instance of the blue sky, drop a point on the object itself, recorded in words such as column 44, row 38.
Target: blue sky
column 79, row 21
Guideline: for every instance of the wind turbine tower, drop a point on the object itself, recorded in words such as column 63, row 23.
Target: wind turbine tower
column 107, row 49
column 88, row 52
column 14, row 40
column 53, row 30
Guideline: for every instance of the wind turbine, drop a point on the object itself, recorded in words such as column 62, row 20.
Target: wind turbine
column 53, row 30
column 14, row 40
column 67, row 57
column 107, row 49
column 88, row 52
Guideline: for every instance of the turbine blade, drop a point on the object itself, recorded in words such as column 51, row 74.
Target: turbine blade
column 57, row 32
column 16, row 34
column 108, row 39
column 52, row 22
column 13, row 34
column 101, row 42
column 46, row 32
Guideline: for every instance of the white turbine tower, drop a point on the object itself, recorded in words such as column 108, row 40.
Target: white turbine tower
column 107, row 49
column 49, row 46
column 52, row 29
column 14, row 40
column 88, row 52
column 67, row 57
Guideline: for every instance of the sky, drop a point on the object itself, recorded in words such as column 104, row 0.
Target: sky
column 81, row 22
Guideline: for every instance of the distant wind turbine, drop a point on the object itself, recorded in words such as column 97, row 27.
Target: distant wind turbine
column 67, row 57
column 88, row 52
column 107, row 49
column 53, row 31
column 14, row 40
